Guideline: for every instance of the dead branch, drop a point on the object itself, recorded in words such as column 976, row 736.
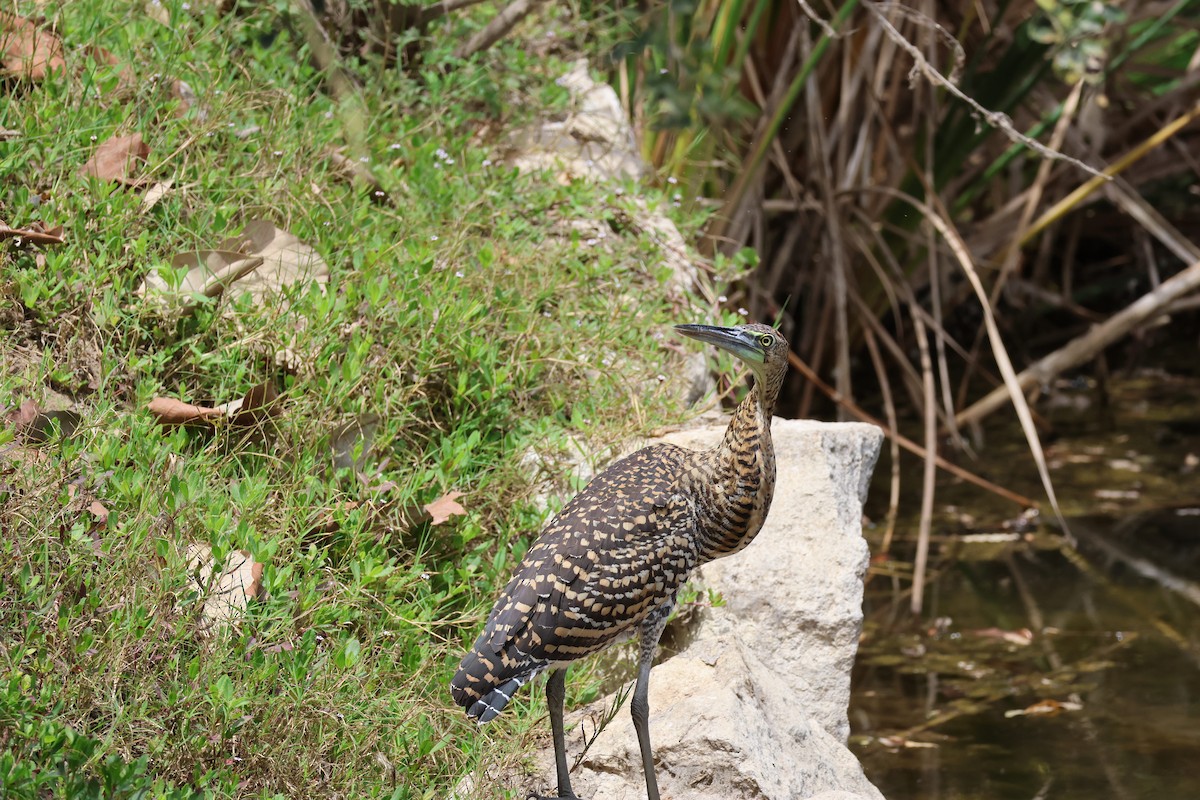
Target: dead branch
column 1085, row 347
column 498, row 28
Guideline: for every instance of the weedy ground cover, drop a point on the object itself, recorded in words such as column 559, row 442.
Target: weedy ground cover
column 458, row 326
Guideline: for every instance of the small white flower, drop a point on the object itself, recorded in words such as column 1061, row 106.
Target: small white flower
column 743, row 312
column 662, row 71
column 328, row 115
column 678, row 197
column 395, row 146
column 487, row 162
column 592, row 242
column 458, row 273
column 278, row 152
column 364, row 159
column 722, row 299
column 93, row 138
column 618, row 191
column 433, row 238
column 185, row 6
column 661, row 378
column 672, row 180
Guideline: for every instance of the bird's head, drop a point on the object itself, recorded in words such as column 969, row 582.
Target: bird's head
column 762, row 347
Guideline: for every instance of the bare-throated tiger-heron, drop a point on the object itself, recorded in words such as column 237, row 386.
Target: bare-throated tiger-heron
column 611, row 563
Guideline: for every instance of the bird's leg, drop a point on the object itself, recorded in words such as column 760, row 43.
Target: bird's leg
column 639, row 706
column 556, row 691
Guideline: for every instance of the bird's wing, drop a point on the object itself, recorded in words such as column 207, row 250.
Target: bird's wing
column 553, row 609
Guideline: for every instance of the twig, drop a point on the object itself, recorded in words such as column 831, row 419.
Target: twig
column 498, row 28
column 928, row 484
column 996, row 119
column 1084, row 347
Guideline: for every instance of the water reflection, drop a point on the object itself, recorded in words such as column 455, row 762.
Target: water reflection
column 1046, row 672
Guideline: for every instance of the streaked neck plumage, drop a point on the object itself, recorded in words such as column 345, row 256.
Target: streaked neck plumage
column 741, row 475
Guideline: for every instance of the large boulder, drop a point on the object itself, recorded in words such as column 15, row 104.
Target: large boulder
column 754, row 705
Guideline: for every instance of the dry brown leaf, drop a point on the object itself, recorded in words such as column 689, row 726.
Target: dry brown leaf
column 257, row 404
column 34, row 232
column 183, row 92
column 176, row 412
column 357, row 434
column 225, row 594
column 106, row 58
column 26, row 51
column 154, row 194
column 98, row 511
column 262, row 261
column 24, row 415
column 357, row 172
column 36, row 426
column 118, row 160
column 444, row 508
column 157, row 11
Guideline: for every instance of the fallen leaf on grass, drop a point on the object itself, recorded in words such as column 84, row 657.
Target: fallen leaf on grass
column 36, row 426
column 27, row 51
column 444, row 508
column 98, row 511
column 34, row 232
column 262, row 261
column 253, row 408
column 357, row 172
column 154, row 194
column 225, row 593
column 356, row 435
column 183, row 92
column 158, row 12
column 176, row 412
column 106, row 58
column 1044, row 708
column 119, row 159
column 8, row 133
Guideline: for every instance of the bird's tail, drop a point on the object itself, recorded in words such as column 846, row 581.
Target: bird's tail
column 484, row 694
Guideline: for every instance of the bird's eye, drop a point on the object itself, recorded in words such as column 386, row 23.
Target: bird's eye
column 766, row 340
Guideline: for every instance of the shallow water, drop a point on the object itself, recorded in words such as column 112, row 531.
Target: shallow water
column 1105, row 640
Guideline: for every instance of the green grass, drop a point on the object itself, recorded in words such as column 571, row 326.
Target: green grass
column 459, row 314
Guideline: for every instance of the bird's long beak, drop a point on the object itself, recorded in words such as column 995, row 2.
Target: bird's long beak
column 736, row 341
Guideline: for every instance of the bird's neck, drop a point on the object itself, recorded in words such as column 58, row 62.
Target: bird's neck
column 742, row 478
